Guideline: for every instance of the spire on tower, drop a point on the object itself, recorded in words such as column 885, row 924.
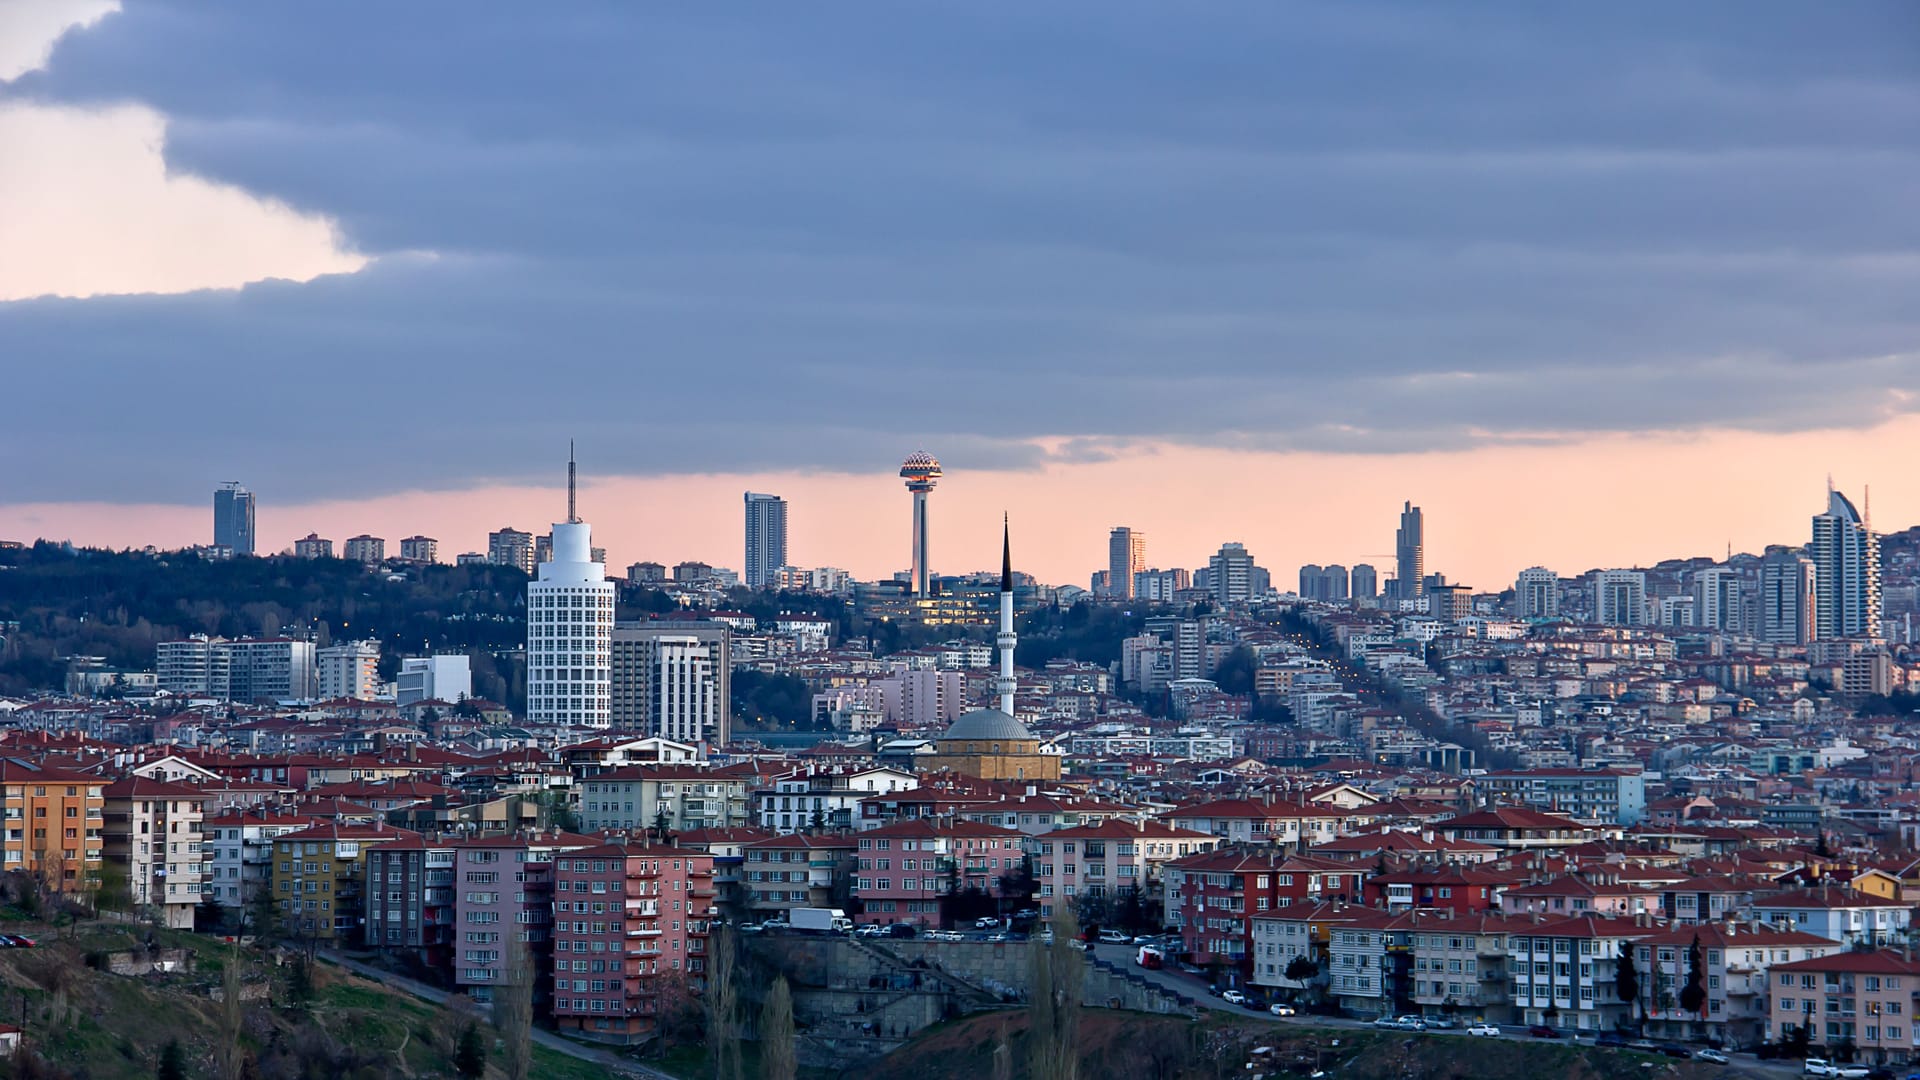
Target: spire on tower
column 1006, row 554
column 572, row 517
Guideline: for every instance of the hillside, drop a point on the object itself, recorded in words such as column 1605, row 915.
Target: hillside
column 1174, row 1048
column 87, row 1023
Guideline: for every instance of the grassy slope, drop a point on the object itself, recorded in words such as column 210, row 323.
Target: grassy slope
column 99, row 1025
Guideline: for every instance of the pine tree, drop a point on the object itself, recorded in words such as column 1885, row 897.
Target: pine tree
column 470, row 1057
column 173, row 1062
column 1627, row 982
column 1693, row 996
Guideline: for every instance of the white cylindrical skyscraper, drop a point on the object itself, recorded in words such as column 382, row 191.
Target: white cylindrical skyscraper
column 570, row 630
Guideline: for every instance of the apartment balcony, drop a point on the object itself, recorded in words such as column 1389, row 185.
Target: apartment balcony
column 644, row 932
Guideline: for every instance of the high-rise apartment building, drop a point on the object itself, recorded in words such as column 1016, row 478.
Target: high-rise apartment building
column 420, row 549
column 1365, row 582
column 1846, row 564
column 511, row 547
column 1230, row 574
column 193, row 667
column 1787, row 583
column 371, row 550
column 1536, row 594
column 1410, row 552
column 1717, row 600
column 570, row 629
column 314, row 546
column 349, row 670
column 766, row 539
column 1620, row 597
column 1324, row 583
column 673, row 680
column 648, row 939
column 233, row 518
column 1160, row 585
column 1126, row 556
column 270, row 670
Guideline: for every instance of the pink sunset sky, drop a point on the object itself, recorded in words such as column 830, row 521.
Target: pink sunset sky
column 1613, row 501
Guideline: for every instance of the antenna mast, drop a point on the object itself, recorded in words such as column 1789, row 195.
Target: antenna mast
column 572, row 517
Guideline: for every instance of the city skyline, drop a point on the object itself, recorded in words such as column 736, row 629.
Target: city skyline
column 707, row 528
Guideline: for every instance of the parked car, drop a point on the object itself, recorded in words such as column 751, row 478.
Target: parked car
column 1609, row 1038
column 1234, row 997
column 1714, row 1056
column 1113, row 937
column 1823, row 1067
column 985, row 923
column 1386, row 1022
column 1281, row 1008
column 1146, row 939
column 1542, row 1031
column 1673, row 1050
column 1441, row 1023
column 1490, row 1031
column 1412, row 1023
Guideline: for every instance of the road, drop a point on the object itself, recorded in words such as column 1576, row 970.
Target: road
column 1196, row 988
column 605, row 1058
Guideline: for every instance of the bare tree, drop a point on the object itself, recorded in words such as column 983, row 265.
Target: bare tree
column 721, row 998
column 1059, row 981
column 776, row 1033
column 1002, row 1054
column 513, row 1008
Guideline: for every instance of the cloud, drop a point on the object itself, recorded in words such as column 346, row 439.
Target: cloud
column 753, row 237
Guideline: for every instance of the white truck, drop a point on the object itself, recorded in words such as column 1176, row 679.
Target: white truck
column 829, row 920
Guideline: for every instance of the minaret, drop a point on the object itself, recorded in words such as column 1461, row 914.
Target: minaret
column 1007, row 639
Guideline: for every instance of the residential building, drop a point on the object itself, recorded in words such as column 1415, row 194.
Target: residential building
column 1835, row 912
column 371, row 550
column 906, row 867
column 1717, row 600
column 1735, row 960
column 1126, row 557
column 433, row 678
column 420, row 549
column 317, row 878
column 682, row 797
column 1231, row 574
column 233, row 518
column 1364, row 582
column 630, row 928
column 1788, row 580
column 1862, row 1002
column 409, row 900
column 766, row 519
column 504, row 885
column 1536, row 594
column 153, row 833
column 511, row 547
column 1107, row 859
column 313, row 546
column 1620, row 597
column 1211, row 895
column 673, row 680
column 1846, row 565
column 242, row 852
column 827, row 799
column 349, row 670
column 194, row 667
column 800, row 870
column 1611, row 796
column 270, row 670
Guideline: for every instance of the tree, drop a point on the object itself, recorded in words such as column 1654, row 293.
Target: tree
column 720, row 999
column 1302, row 969
column 1693, row 996
column 173, row 1062
column 470, row 1057
column 513, row 1009
column 1627, row 982
column 1821, row 847
column 229, row 1058
column 1058, row 985
column 776, row 1033
column 300, row 982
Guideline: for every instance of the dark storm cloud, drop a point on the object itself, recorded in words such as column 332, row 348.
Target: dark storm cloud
column 773, row 236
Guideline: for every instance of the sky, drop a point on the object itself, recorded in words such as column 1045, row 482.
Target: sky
column 1593, row 284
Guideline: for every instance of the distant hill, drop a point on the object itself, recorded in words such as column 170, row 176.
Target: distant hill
column 117, row 605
